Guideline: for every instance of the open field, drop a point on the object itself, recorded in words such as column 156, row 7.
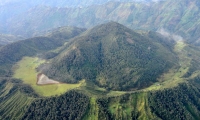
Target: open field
column 26, row 71
column 92, row 113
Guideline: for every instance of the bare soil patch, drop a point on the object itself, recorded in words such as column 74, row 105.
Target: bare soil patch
column 42, row 79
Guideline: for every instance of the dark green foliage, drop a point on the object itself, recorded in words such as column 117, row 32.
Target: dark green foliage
column 14, row 52
column 114, row 57
column 180, row 103
column 2, row 85
column 70, row 106
column 103, row 113
column 48, row 55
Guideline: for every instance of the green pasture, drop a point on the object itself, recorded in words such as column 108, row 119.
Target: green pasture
column 26, row 71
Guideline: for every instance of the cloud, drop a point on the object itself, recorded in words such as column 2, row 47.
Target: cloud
column 177, row 37
column 165, row 33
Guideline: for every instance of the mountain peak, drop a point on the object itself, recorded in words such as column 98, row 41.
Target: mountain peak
column 109, row 26
column 112, row 56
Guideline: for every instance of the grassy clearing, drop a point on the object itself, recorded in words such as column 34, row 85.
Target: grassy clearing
column 143, row 108
column 26, row 71
column 115, row 93
column 137, row 102
column 95, row 91
column 92, row 113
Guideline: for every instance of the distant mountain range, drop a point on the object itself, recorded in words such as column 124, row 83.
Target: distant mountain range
column 181, row 18
column 68, row 3
column 6, row 39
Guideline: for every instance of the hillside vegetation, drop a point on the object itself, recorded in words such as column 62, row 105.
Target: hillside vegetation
column 70, row 106
column 14, row 98
column 113, row 57
column 109, row 72
column 14, row 52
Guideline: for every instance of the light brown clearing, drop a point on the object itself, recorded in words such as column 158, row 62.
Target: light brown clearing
column 44, row 80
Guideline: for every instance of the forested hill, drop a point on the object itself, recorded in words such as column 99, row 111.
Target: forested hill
column 13, row 52
column 180, row 18
column 112, row 73
column 114, row 57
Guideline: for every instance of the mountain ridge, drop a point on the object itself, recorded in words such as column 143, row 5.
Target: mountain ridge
column 108, row 50
column 33, row 46
column 134, row 15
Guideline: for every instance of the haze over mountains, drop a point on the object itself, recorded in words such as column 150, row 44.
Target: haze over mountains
column 180, row 18
column 109, row 60
column 60, row 3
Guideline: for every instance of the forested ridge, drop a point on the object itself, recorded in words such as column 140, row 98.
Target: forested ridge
column 113, row 57
column 14, row 52
column 69, row 106
column 180, row 103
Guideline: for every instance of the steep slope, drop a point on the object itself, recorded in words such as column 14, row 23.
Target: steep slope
column 114, row 57
column 180, row 18
column 13, row 52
